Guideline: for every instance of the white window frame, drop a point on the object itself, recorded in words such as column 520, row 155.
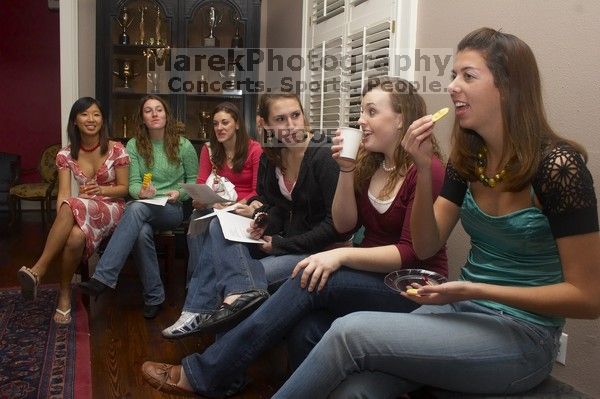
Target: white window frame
column 357, row 15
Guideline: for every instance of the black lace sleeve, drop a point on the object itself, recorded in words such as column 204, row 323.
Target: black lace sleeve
column 454, row 187
column 565, row 188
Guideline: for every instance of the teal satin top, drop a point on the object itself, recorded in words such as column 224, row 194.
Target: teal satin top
column 517, row 249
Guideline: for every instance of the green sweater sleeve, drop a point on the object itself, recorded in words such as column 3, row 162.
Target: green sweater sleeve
column 165, row 175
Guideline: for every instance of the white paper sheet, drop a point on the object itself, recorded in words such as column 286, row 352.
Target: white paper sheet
column 203, row 194
column 198, row 225
column 214, row 213
column 161, row 201
column 234, row 227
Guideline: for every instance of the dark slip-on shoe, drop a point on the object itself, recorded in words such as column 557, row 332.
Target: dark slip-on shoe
column 227, row 316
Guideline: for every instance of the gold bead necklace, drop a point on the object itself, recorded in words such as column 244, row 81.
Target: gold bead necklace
column 481, row 164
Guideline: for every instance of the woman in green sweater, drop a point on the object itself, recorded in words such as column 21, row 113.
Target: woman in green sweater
column 161, row 160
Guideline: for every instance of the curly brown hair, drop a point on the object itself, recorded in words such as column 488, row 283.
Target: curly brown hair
column 411, row 105
column 173, row 130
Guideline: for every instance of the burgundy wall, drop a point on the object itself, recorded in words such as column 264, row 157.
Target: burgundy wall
column 29, row 81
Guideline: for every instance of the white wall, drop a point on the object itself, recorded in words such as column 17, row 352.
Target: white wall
column 564, row 35
column 87, row 47
column 281, row 27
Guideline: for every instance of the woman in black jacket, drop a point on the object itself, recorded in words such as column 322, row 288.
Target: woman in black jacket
column 296, row 184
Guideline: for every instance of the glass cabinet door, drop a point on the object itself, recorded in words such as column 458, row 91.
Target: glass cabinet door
column 138, row 42
column 140, row 31
column 212, row 27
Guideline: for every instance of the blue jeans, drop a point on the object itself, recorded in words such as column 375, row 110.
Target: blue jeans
column 136, row 228
column 278, row 268
column 460, row 347
column 194, row 245
column 305, row 335
column 214, row 371
column 219, row 268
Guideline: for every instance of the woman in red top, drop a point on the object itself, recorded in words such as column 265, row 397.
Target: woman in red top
column 234, row 156
column 233, row 153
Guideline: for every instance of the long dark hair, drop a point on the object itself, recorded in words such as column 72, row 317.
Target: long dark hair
column 405, row 101
column 73, row 132
column 173, row 130
column 525, row 127
column 242, row 140
column 272, row 150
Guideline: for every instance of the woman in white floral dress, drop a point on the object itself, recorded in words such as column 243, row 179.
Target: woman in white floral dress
column 101, row 169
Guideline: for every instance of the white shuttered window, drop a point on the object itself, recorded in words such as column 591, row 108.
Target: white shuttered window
column 362, row 35
column 325, row 9
column 369, row 51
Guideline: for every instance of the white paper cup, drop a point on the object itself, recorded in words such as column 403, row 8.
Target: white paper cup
column 352, row 138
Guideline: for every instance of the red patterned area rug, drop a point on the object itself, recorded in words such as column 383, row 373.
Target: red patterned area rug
column 39, row 358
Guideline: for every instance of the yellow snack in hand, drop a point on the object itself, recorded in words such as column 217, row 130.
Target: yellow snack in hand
column 147, row 179
column 412, row 291
column 440, row 114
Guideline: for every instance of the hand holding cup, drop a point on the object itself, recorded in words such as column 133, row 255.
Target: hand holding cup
column 345, row 147
column 90, row 187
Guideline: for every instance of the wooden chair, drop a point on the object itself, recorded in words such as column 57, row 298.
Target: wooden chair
column 166, row 241
column 165, row 248
column 44, row 192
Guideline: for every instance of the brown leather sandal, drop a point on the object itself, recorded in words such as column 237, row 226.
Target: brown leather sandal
column 29, row 281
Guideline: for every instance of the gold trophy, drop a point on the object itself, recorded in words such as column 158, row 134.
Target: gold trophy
column 212, row 21
column 202, row 85
column 237, row 40
column 142, row 40
column 125, row 71
column 229, row 85
column 154, row 80
column 159, row 40
column 124, row 20
column 125, row 127
column 159, row 48
column 204, row 121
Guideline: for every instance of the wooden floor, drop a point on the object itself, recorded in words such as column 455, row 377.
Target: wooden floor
column 121, row 339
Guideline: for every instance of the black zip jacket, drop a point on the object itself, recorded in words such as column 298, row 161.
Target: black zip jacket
column 303, row 225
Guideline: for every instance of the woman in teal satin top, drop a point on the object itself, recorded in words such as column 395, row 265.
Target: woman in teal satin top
column 526, row 198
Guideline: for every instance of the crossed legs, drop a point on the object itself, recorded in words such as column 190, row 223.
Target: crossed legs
column 66, row 240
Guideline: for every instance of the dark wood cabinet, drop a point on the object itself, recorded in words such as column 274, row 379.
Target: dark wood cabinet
column 142, row 46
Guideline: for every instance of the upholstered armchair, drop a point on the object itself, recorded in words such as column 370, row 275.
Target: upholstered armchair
column 44, row 192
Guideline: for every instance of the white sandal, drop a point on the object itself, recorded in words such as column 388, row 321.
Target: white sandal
column 29, row 281
column 64, row 313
